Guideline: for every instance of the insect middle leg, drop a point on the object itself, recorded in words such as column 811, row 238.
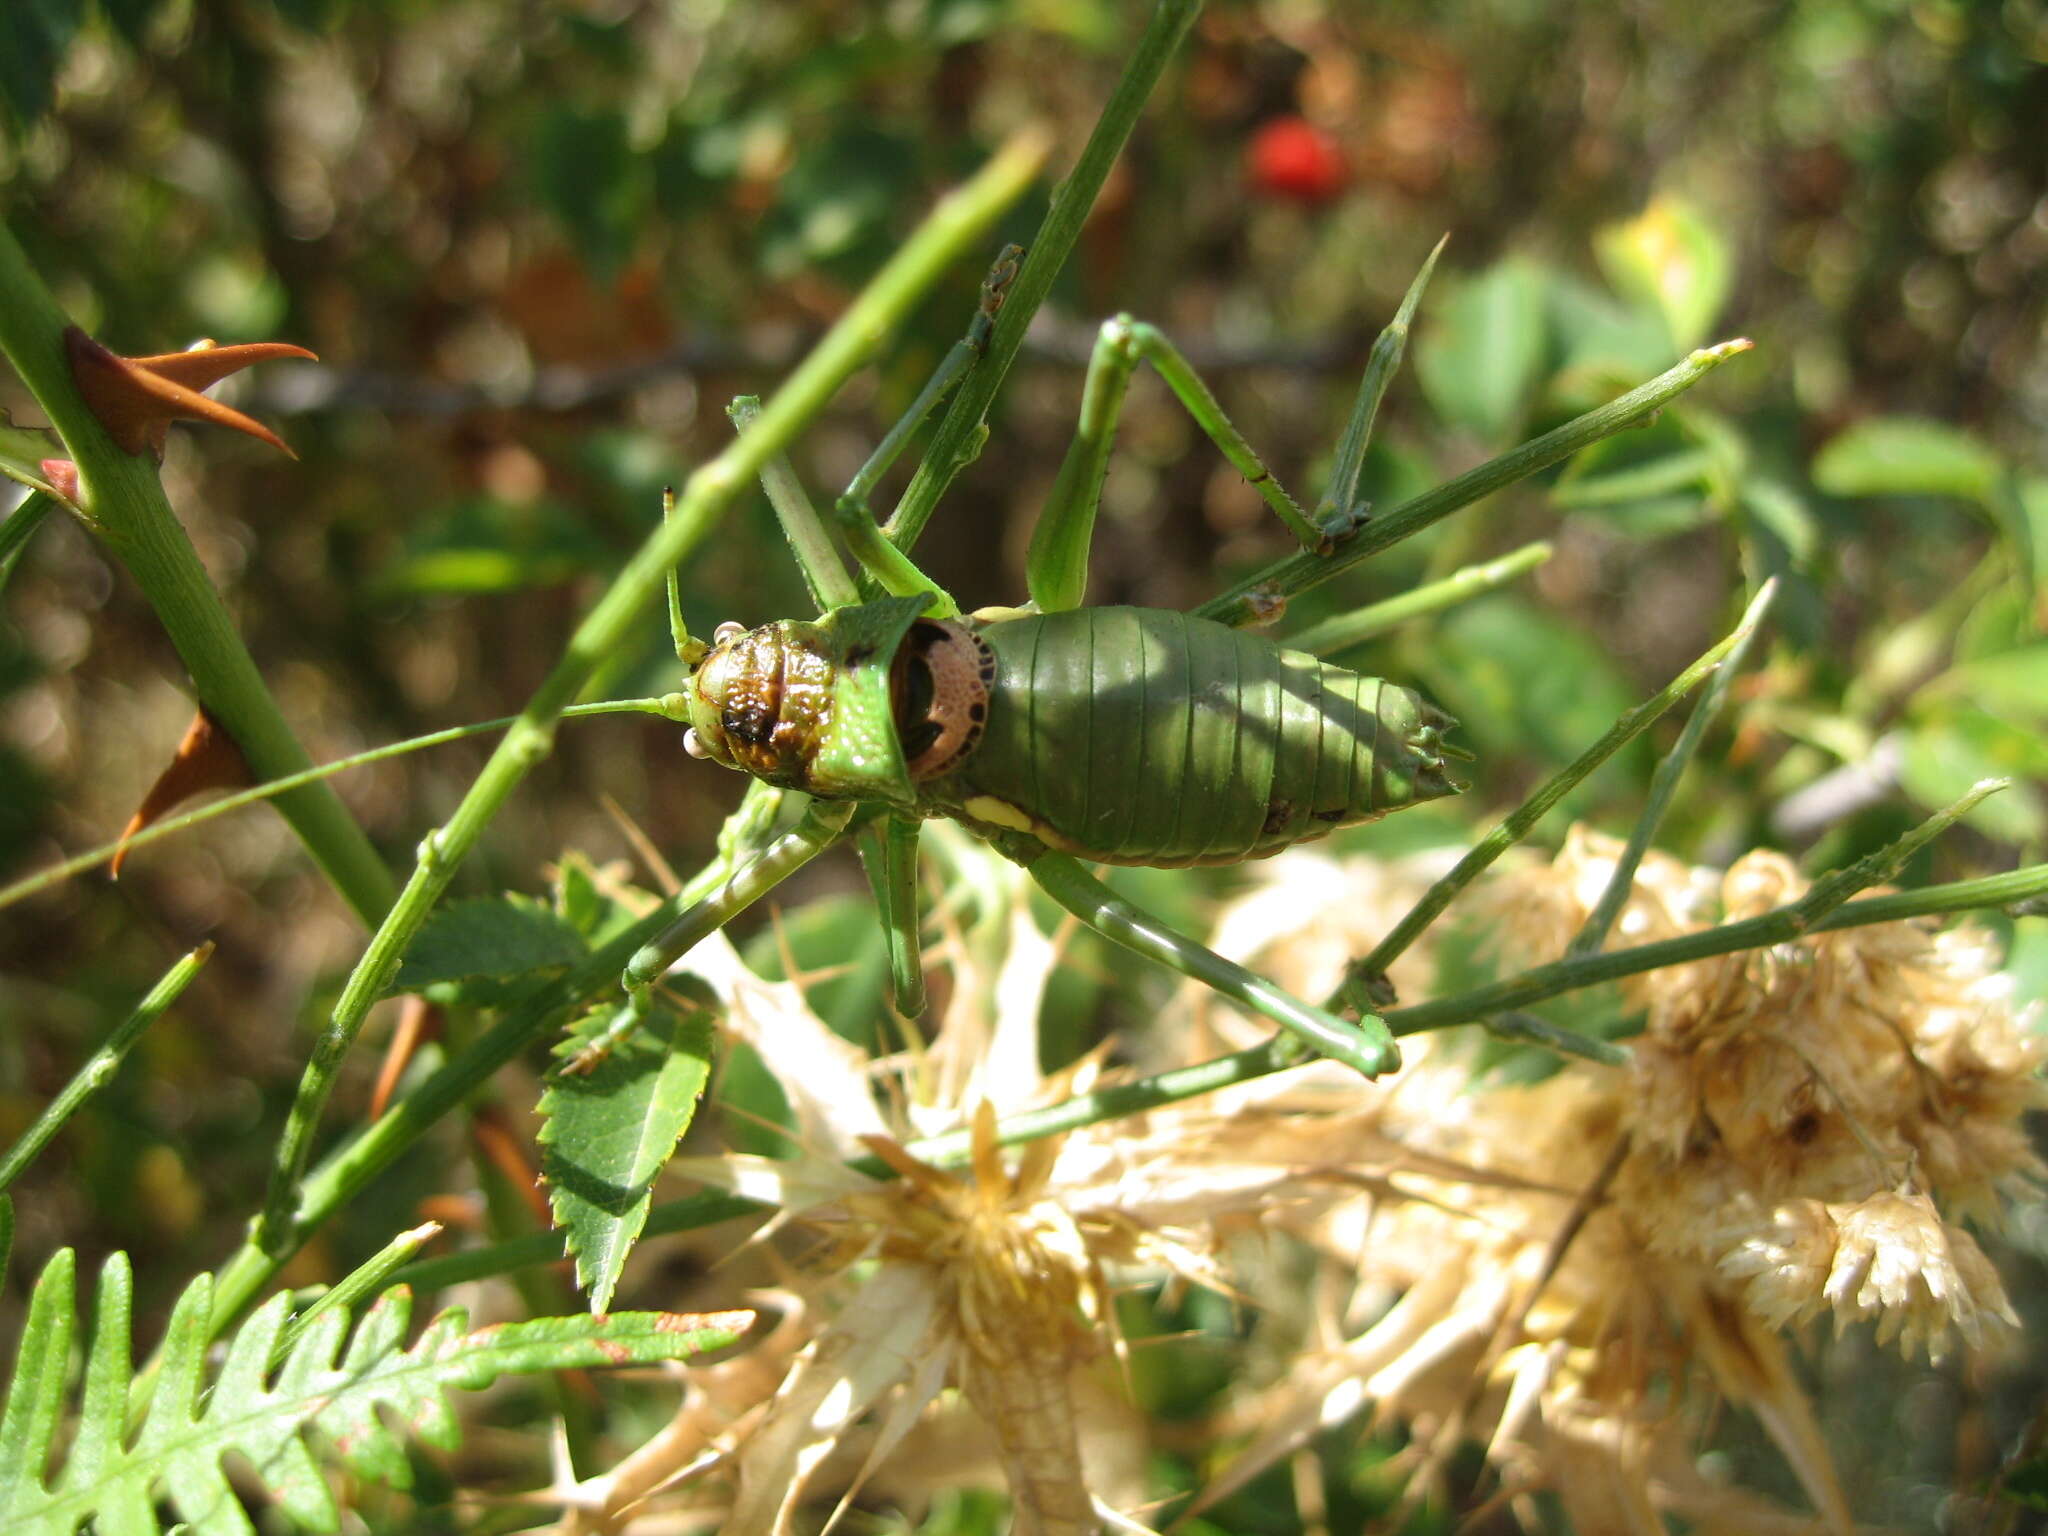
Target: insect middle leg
column 1057, row 568
column 821, row 826
column 888, row 851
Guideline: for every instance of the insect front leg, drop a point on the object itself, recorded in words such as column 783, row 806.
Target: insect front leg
column 888, row 851
column 1367, row 1045
column 890, row 568
column 822, row 826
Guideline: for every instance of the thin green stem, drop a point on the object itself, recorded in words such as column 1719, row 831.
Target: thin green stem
column 20, row 526
column 349, row 1170
column 56, row 874
column 125, row 506
column 1779, row 926
column 1339, row 510
column 370, row 1278
column 827, row 579
column 1522, row 820
column 951, row 229
column 1279, row 1054
column 957, row 439
column 1257, row 598
column 1361, row 624
column 100, row 1067
column 1831, row 890
column 1664, row 782
column 1532, row 1029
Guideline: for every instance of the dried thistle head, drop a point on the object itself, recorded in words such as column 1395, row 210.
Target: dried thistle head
column 1797, row 1133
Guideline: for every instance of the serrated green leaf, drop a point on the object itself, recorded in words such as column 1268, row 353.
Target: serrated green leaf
column 1672, row 260
column 1478, row 358
column 260, row 1412
column 610, row 1130
column 489, row 938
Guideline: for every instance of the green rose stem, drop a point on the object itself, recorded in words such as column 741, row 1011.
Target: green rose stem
column 958, row 436
column 1257, row 599
column 945, row 236
column 125, row 504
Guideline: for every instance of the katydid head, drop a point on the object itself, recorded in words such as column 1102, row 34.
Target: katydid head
column 806, row 704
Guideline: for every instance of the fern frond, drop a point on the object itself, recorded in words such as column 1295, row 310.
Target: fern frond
column 263, row 1409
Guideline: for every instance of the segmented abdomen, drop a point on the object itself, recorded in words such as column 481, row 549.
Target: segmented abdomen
column 1146, row 736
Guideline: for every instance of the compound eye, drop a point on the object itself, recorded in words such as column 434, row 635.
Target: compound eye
column 694, row 746
column 729, row 630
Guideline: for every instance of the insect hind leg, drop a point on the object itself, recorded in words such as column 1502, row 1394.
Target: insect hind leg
column 1367, row 1046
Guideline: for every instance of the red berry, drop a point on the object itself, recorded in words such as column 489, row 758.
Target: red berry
column 1290, row 158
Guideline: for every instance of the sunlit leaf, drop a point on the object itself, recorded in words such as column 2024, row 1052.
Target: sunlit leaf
column 1479, row 353
column 1672, row 259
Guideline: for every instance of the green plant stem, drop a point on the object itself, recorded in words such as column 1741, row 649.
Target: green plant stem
column 1522, row 820
column 1533, row 1029
column 350, row 1168
column 1257, row 598
column 369, row 1279
column 1664, row 782
column 20, row 526
column 1831, row 890
column 802, row 529
column 1361, row 624
column 1778, row 926
column 99, row 1068
column 957, row 439
column 1339, row 506
column 78, row 864
column 1280, row 1053
column 126, row 507
column 958, row 221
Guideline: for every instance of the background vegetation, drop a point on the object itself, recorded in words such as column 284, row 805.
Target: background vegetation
column 539, row 248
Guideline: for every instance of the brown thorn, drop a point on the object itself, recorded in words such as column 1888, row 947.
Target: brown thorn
column 137, row 398
column 418, row 1020
column 207, row 758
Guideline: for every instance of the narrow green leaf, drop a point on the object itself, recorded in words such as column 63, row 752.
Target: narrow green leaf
column 609, row 1131
column 1907, row 456
column 37, row 1385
